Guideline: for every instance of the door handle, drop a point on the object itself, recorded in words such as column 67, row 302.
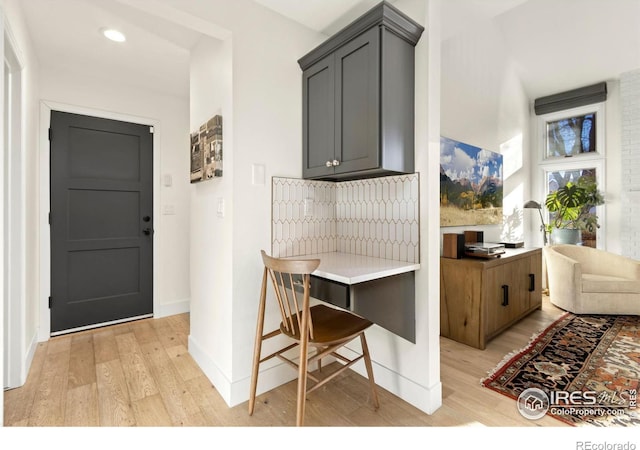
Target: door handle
column 505, row 295
column 147, row 231
column 532, row 282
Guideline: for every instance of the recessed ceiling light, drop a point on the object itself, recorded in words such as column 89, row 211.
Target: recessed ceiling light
column 113, row 35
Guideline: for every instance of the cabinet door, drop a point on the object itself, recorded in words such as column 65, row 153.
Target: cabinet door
column 318, row 118
column 461, row 301
column 507, row 294
column 358, row 103
column 519, row 282
column 498, row 298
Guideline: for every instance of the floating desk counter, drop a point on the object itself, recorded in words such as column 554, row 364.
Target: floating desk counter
column 380, row 290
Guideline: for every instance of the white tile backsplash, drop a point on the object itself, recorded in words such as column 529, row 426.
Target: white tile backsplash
column 303, row 217
column 374, row 217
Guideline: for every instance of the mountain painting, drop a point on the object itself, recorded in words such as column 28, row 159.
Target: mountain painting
column 470, row 185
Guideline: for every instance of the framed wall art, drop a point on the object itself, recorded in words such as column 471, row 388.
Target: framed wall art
column 206, row 151
column 470, row 185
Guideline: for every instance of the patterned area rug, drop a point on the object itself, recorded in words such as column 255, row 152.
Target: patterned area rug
column 583, row 370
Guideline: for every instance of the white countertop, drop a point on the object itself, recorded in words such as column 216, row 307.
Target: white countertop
column 351, row 269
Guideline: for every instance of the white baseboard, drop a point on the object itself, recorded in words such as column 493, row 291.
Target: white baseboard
column 427, row 399
column 28, row 358
column 210, row 368
column 173, row 308
column 20, row 376
column 235, row 393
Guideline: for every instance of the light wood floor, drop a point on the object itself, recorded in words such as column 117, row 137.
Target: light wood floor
column 140, row 374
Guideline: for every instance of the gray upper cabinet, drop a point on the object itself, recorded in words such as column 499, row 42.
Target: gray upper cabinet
column 358, row 99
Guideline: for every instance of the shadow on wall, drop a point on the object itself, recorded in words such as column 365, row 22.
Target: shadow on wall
column 512, row 226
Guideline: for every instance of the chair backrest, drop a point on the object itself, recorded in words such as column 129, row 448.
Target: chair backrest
column 287, row 277
column 596, row 261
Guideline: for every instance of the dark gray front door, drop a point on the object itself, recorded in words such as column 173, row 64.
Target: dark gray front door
column 101, row 221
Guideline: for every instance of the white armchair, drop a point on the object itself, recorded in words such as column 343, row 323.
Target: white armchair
column 586, row 280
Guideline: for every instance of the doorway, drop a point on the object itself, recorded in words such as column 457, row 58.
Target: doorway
column 101, row 221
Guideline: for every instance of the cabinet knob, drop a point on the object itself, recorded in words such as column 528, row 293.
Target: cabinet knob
column 336, row 162
column 329, row 164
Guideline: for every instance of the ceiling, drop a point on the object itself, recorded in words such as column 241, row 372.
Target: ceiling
column 555, row 44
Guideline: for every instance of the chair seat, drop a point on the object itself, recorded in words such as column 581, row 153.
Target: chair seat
column 330, row 325
column 607, row 283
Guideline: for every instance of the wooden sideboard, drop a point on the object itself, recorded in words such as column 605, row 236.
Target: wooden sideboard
column 480, row 298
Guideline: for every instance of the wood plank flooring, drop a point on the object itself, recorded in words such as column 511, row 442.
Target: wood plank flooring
column 141, row 374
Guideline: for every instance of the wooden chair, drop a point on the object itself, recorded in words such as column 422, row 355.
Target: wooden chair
column 321, row 327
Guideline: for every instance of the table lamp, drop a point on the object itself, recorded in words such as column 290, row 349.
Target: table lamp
column 535, row 205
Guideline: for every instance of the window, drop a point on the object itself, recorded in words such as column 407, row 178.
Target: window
column 571, row 136
column 557, row 179
column 573, row 133
column 571, row 145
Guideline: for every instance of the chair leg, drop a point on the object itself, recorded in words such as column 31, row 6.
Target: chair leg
column 257, row 351
column 304, row 360
column 319, row 350
column 367, row 363
column 302, row 383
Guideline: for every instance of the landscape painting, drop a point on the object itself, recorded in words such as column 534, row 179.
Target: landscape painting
column 470, row 185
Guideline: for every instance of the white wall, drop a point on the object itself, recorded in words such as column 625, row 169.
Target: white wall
column 615, row 165
column 24, row 341
column 484, row 104
column 630, row 164
column 4, row 311
column 415, row 369
column 89, row 95
column 253, row 79
column 211, row 89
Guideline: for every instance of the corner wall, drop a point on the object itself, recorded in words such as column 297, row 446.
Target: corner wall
column 211, row 93
column 267, row 135
column 484, row 104
column 253, row 80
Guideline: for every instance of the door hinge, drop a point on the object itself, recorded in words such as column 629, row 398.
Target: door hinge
column 50, row 302
column 151, row 130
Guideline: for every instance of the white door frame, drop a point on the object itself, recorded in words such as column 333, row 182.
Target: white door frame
column 14, row 219
column 2, row 219
column 44, row 331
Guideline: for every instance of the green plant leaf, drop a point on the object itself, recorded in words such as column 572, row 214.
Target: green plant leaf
column 571, row 196
column 570, row 205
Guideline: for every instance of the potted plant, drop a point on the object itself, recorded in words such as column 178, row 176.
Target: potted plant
column 572, row 210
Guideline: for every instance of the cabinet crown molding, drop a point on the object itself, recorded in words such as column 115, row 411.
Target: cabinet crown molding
column 383, row 15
